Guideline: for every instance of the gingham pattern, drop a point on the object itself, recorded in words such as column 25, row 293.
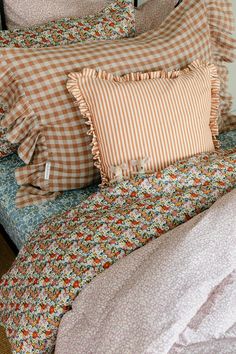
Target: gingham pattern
column 41, row 74
column 222, row 24
column 158, row 117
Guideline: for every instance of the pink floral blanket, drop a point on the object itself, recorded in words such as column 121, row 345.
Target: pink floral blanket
column 67, row 252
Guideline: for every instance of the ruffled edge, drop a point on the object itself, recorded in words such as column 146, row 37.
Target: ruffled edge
column 33, row 188
column 223, row 45
column 74, row 89
column 20, row 121
column 84, row 110
column 215, row 98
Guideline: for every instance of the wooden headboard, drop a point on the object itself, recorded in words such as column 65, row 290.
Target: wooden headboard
column 3, row 19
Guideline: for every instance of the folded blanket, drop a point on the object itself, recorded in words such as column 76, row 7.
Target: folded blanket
column 175, row 295
column 68, row 251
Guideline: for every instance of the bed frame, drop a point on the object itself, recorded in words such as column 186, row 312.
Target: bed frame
column 8, row 240
column 3, row 18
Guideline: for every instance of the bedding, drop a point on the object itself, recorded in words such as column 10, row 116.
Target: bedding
column 68, row 251
column 143, row 122
column 20, row 223
column 175, row 295
column 20, row 15
column 115, row 21
column 177, row 42
column 112, row 22
column 24, row 14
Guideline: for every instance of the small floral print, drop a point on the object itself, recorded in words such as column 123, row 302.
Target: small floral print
column 115, row 21
column 69, row 250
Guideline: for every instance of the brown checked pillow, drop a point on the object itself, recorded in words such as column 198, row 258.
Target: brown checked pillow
column 114, row 21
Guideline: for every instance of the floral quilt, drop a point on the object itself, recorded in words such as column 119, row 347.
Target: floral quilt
column 68, row 251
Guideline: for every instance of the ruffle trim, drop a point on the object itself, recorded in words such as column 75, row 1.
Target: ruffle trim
column 74, row 89
column 215, row 98
column 223, row 45
column 28, row 195
column 20, row 121
column 34, row 189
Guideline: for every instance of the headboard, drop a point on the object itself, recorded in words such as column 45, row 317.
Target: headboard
column 3, row 19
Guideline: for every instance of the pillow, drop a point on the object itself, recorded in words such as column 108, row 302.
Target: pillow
column 112, row 22
column 152, row 13
column 52, row 135
column 222, row 21
column 115, row 21
column 143, row 122
column 25, row 13
column 22, row 14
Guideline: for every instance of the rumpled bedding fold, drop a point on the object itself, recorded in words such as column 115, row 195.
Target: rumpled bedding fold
column 67, row 252
column 176, row 295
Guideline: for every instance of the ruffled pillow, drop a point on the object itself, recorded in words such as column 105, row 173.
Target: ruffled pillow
column 115, row 21
column 142, row 122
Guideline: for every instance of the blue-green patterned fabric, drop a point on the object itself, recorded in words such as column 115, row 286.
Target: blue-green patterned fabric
column 19, row 223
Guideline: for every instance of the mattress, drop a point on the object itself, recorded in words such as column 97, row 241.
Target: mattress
column 20, row 223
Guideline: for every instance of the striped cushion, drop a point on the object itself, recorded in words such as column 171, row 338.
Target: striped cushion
column 144, row 122
column 42, row 116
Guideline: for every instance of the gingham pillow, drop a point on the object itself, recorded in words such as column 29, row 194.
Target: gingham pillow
column 52, row 135
column 115, row 21
column 144, row 122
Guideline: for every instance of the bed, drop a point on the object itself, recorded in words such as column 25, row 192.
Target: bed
column 63, row 244
column 19, row 223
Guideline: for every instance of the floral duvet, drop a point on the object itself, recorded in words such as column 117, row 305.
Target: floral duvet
column 67, row 252
column 176, row 295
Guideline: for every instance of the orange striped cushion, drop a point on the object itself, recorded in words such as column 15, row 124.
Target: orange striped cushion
column 143, row 122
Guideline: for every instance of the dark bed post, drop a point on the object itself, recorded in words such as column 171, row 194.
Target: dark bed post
column 178, row 3
column 3, row 19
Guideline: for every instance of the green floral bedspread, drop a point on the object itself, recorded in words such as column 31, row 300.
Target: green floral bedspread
column 66, row 253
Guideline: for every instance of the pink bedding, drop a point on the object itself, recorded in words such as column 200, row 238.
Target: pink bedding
column 175, row 295
column 71, row 249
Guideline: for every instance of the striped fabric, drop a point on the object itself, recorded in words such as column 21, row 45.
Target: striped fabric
column 144, row 122
column 42, row 113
